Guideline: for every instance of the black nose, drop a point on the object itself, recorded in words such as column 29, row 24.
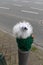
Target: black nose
column 24, row 28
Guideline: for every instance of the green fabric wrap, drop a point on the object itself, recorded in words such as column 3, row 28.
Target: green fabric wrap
column 25, row 44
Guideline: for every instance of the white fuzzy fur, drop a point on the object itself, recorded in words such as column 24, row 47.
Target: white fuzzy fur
column 17, row 31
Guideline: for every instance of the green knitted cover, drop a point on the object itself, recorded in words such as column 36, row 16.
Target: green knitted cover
column 25, row 44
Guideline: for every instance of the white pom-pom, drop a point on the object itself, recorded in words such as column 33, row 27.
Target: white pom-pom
column 22, row 30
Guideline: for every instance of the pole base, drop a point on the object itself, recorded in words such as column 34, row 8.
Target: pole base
column 23, row 57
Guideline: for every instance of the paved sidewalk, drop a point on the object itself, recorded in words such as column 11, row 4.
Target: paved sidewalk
column 9, row 48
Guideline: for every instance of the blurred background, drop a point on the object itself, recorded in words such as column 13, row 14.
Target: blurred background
column 13, row 11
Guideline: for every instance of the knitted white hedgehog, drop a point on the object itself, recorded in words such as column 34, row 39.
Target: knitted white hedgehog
column 22, row 30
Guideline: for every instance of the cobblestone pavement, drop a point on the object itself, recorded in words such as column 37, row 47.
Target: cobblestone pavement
column 9, row 48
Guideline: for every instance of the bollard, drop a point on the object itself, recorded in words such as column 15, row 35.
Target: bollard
column 24, row 46
column 23, row 32
column 23, row 57
column 2, row 59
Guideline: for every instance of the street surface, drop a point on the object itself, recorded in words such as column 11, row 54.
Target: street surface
column 13, row 11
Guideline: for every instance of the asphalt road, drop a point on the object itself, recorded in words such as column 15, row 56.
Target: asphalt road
column 13, row 11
